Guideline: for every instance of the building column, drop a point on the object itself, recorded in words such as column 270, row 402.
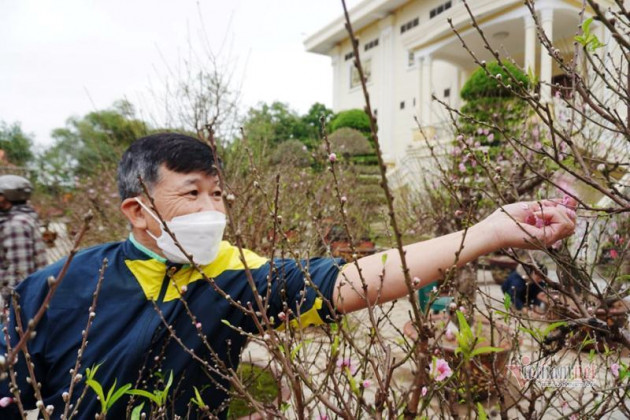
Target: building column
column 385, row 105
column 426, row 82
column 546, row 63
column 336, row 62
column 530, row 45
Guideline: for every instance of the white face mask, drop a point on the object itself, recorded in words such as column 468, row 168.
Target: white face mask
column 200, row 234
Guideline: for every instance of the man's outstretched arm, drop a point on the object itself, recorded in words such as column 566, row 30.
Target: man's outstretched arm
column 519, row 225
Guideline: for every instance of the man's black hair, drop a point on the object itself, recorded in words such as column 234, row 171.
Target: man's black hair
column 178, row 152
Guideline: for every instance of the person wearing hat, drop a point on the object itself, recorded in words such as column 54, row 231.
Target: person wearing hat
column 22, row 250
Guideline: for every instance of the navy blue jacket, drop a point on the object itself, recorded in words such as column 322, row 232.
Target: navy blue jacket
column 128, row 338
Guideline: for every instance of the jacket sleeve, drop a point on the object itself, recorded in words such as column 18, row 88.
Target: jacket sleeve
column 302, row 290
column 31, row 299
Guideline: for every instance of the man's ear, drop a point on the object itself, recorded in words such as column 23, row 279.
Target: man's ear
column 133, row 212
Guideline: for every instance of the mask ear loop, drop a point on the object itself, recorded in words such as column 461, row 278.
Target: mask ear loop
column 152, row 215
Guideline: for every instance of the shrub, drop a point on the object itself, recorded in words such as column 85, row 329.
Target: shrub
column 350, row 142
column 482, row 85
column 352, row 118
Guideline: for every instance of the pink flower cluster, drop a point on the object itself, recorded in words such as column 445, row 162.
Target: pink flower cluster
column 440, row 370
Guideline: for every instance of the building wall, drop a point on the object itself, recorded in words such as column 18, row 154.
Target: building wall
column 407, row 36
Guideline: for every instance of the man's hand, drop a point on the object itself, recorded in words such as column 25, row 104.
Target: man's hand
column 533, row 224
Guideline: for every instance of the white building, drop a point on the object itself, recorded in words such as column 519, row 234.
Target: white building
column 410, row 52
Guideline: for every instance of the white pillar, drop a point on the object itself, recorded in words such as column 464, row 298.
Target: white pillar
column 385, row 105
column 336, row 63
column 426, row 90
column 546, row 63
column 456, row 88
column 530, row 45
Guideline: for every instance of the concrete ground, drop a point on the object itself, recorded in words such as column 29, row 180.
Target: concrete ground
column 489, row 296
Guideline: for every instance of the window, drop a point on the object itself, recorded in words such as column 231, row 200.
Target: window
column 447, row 93
column 373, row 43
column 354, row 74
column 411, row 59
column 349, row 55
column 409, row 25
column 402, row 104
column 441, row 8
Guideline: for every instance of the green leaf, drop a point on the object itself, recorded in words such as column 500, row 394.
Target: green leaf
column 137, row 412
column 111, row 390
column 352, row 381
column 198, row 400
column 485, row 350
column 116, row 396
column 552, row 327
column 296, row 349
column 335, row 346
column 535, row 333
column 507, row 302
column 481, row 413
column 97, row 388
column 143, row 393
column 384, row 258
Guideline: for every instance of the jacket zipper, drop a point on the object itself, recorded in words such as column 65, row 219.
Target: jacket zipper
column 166, row 281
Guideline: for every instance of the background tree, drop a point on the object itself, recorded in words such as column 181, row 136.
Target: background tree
column 16, row 144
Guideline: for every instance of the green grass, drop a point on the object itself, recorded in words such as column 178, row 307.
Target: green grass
column 260, row 383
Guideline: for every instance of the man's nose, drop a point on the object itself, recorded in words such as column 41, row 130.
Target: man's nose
column 208, row 202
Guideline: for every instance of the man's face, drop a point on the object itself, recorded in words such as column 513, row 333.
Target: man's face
column 177, row 194
column 4, row 203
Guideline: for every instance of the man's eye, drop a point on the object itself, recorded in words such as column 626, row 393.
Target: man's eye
column 217, row 194
column 194, row 193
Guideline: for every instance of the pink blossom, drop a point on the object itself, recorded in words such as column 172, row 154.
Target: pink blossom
column 198, row 325
column 424, row 391
column 367, row 383
column 282, row 316
column 573, row 417
column 5, row 401
column 449, row 335
column 344, row 364
column 462, row 167
column 344, row 198
column 614, row 369
column 538, row 145
column 440, row 369
column 332, row 157
column 490, row 137
column 613, row 254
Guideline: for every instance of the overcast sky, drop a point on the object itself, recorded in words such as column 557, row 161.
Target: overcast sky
column 69, row 57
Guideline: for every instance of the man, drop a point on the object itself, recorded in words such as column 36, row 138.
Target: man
column 148, row 279
column 22, row 250
column 524, row 292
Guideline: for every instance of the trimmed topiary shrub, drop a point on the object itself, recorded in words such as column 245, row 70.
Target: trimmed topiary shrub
column 352, row 118
column 350, row 142
column 482, row 85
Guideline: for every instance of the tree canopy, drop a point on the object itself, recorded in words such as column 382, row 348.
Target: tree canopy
column 16, row 144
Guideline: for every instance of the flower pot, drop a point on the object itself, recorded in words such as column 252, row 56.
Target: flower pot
column 485, row 373
column 561, row 307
